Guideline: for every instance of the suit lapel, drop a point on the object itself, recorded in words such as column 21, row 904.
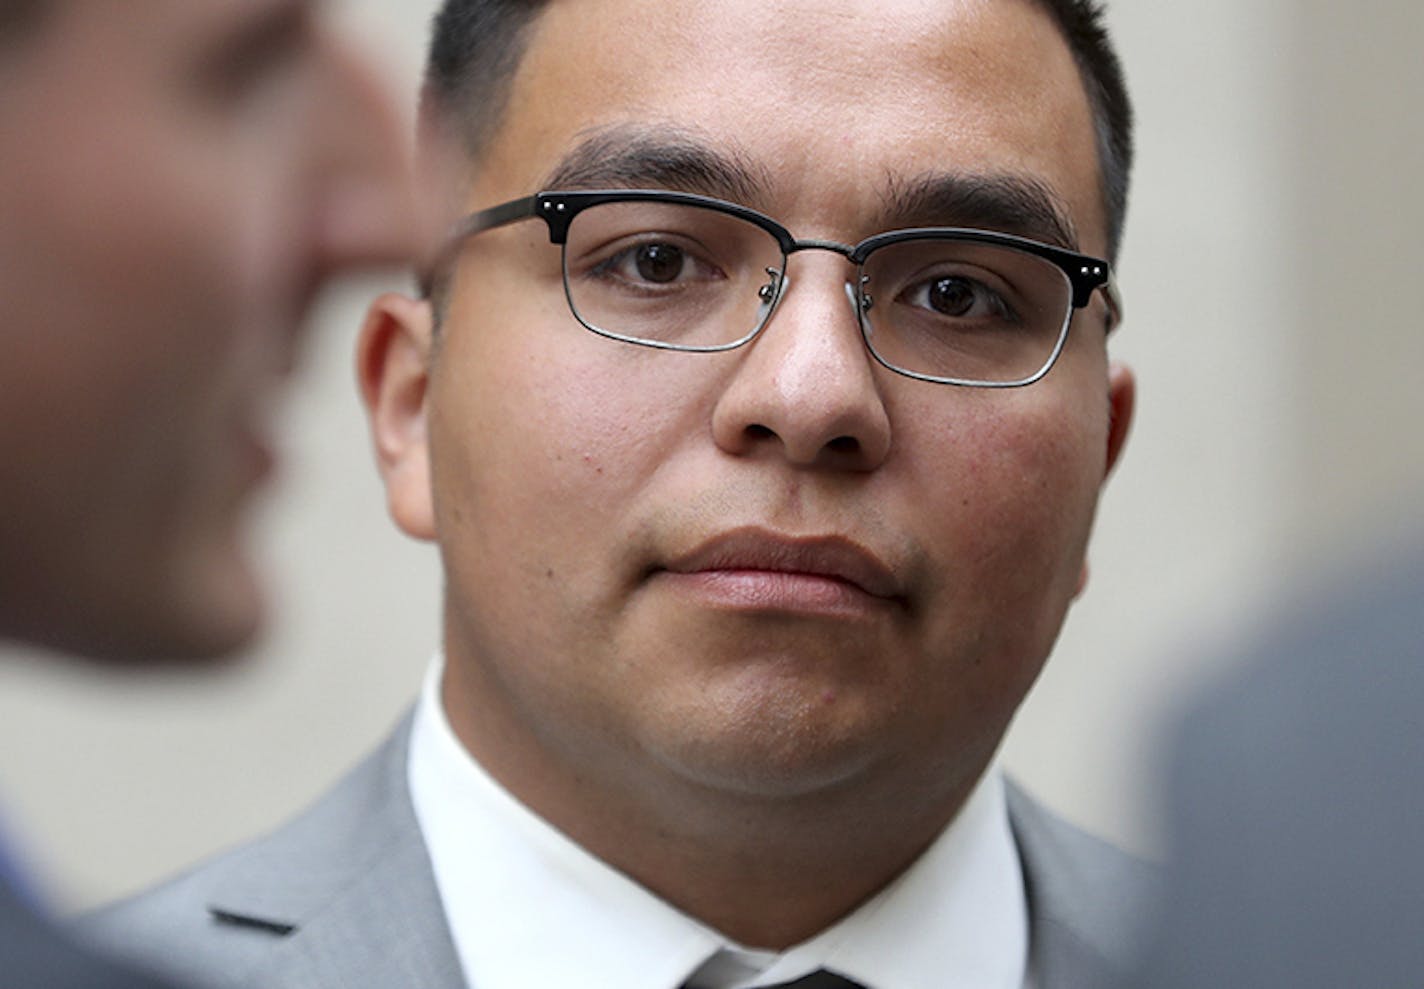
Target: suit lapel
column 348, row 897
column 347, row 894
column 383, row 930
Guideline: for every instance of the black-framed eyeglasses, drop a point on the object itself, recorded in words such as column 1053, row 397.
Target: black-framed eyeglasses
column 690, row 273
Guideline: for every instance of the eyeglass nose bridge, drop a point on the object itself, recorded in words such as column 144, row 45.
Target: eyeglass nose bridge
column 779, row 282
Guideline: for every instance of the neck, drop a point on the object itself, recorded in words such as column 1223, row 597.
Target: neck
column 766, row 871
column 776, row 876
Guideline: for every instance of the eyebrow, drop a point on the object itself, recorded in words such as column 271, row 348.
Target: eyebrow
column 635, row 156
column 1004, row 203
column 257, row 34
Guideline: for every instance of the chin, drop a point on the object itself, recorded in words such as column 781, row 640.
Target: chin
column 134, row 640
column 217, row 618
column 196, row 617
column 206, row 640
column 775, row 772
column 775, row 744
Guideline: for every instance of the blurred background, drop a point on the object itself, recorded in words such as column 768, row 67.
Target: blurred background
column 1272, row 278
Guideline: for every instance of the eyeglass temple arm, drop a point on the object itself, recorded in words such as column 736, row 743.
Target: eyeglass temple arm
column 485, row 219
column 495, row 216
column 1113, row 298
column 1094, row 278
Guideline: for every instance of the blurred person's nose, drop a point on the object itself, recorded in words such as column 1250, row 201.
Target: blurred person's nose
column 367, row 211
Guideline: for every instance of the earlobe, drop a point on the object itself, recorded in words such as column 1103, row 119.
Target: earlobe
column 393, row 372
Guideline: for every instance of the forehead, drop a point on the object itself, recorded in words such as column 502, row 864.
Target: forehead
column 125, row 35
column 110, row 72
column 832, row 101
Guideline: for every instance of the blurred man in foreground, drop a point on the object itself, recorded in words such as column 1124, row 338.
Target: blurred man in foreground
column 760, row 412
column 1297, row 801
column 178, row 179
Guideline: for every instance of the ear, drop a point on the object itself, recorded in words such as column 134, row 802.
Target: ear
column 1122, row 397
column 393, row 371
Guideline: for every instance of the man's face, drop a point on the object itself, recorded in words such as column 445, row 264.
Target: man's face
column 783, row 568
column 177, row 179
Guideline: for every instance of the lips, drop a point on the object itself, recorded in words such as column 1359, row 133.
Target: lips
column 753, row 553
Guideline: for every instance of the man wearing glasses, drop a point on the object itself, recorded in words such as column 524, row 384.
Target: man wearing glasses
column 759, row 409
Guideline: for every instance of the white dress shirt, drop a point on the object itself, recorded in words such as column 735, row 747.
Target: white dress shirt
column 528, row 908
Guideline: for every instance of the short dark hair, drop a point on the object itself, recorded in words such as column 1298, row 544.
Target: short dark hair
column 19, row 17
column 1082, row 25
column 477, row 46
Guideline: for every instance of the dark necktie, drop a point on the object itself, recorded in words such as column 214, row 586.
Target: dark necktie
column 819, row 980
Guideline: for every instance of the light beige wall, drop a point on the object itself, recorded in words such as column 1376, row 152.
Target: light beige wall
column 1355, row 233
column 1269, row 273
column 1274, row 260
column 1189, row 529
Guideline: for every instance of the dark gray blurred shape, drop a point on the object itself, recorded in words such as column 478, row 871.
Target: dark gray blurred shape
column 1297, row 803
column 34, row 955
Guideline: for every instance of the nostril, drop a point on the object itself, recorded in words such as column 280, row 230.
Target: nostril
column 844, row 444
column 759, row 432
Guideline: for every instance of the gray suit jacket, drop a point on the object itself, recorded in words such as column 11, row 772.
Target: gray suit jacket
column 344, row 898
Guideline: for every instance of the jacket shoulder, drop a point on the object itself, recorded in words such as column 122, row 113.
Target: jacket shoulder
column 223, row 920
column 1089, row 901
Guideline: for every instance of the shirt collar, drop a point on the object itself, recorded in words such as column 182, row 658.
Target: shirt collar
column 527, row 906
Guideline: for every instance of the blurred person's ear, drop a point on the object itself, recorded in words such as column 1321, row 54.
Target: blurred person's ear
column 393, row 370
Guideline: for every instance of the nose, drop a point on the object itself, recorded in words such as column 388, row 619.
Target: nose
column 805, row 389
column 364, row 197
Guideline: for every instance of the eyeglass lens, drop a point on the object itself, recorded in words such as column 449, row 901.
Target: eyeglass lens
column 681, row 276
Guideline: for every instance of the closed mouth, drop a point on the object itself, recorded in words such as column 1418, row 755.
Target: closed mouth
column 821, row 557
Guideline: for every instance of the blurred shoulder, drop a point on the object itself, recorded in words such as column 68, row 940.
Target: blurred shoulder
column 224, row 918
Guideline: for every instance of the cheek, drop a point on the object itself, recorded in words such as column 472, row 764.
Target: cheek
column 553, row 406
column 543, row 436
column 140, row 328
column 1037, row 478
column 1017, row 484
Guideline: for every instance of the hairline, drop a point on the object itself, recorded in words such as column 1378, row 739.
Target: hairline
column 20, row 19
column 446, row 117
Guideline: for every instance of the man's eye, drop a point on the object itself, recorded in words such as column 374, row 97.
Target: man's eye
column 660, row 263
column 261, row 52
column 957, row 297
column 655, row 263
